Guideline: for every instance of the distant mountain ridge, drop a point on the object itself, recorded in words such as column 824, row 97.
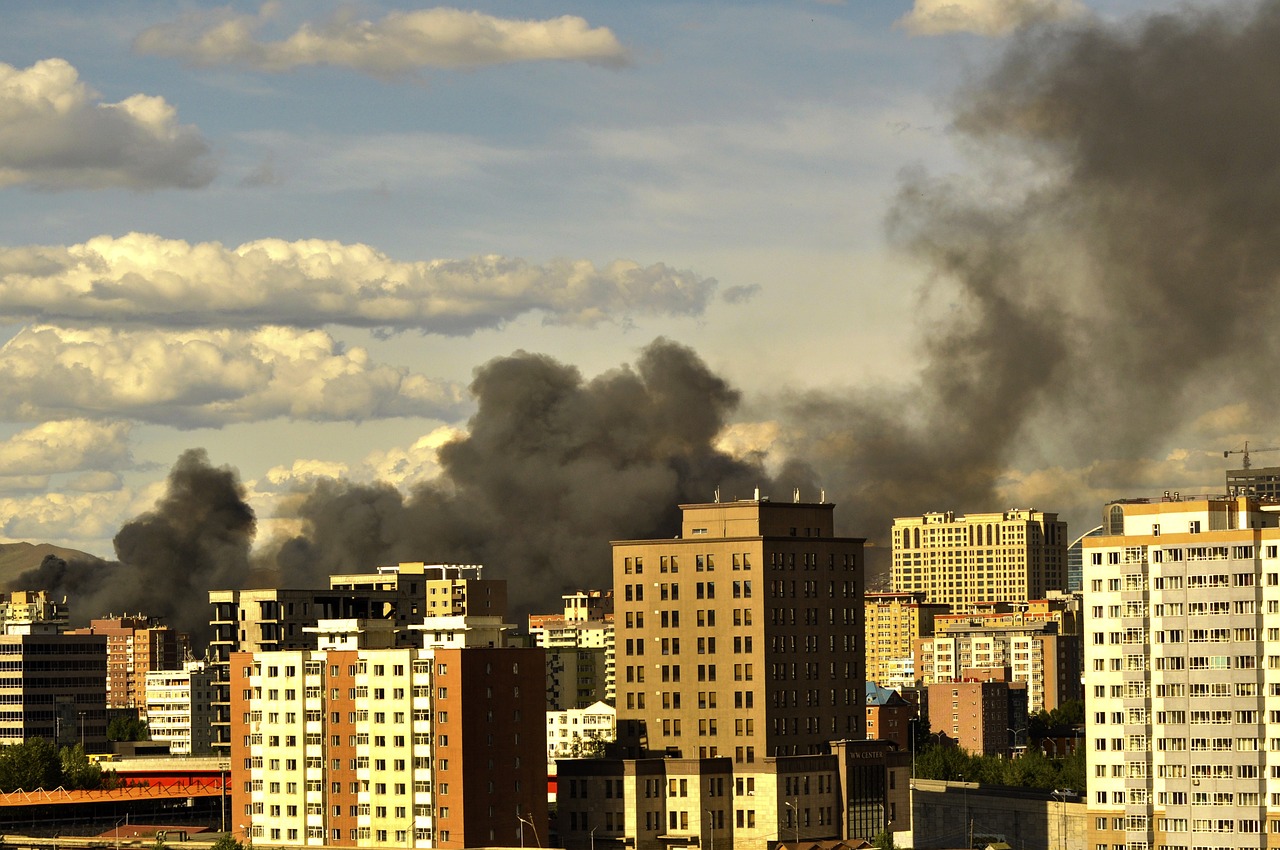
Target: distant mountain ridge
column 18, row 558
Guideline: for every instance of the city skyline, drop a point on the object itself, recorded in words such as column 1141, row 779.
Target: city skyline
column 295, row 259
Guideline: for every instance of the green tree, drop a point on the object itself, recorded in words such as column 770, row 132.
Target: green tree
column 32, row 764
column 77, row 771
column 227, row 841
column 124, row 728
column 883, row 841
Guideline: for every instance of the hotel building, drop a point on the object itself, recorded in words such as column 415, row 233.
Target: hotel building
column 991, row 557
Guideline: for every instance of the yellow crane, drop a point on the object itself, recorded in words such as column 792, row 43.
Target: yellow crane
column 1244, row 463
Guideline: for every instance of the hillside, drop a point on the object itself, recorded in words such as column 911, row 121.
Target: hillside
column 17, row 558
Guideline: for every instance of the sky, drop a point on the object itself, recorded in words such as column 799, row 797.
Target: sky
column 965, row 255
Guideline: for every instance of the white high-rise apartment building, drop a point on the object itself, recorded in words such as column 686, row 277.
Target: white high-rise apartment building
column 180, row 708
column 1182, row 674
column 960, row 560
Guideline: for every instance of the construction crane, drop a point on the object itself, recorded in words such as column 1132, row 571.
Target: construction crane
column 1245, row 451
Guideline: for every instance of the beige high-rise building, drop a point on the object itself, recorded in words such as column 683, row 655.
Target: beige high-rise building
column 962, row 560
column 893, row 623
column 742, row 637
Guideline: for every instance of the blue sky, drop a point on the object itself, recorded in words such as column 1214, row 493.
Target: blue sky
column 715, row 172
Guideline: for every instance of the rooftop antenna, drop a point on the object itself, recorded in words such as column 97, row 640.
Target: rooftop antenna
column 795, row 494
column 717, row 495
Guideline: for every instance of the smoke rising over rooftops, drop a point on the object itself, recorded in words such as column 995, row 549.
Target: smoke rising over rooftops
column 1102, row 282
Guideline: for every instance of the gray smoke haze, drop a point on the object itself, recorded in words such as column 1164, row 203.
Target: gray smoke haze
column 1104, row 285
column 1108, row 276
column 197, row 539
column 552, row 468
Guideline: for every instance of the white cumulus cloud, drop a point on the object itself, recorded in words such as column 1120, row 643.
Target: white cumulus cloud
column 207, row 378
column 66, row 446
column 985, row 17
column 57, row 133
column 396, row 44
column 145, row 279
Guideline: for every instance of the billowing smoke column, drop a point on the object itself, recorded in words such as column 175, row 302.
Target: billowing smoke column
column 197, row 539
column 1107, row 282
column 552, row 468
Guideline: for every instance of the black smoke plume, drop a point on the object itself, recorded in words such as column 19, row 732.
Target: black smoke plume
column 1105, row 284
column 551, row 469
column 197, row 539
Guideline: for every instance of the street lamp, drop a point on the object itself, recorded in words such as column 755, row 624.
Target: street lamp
column 1015, row 732
column 529, row 821
column 796, row 813
column 712, row 816
column 593, row 837
column 1061, row 794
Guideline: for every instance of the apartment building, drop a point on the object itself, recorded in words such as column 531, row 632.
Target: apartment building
column 1182, row 662
column 24, row 611
column 743, row 636
column 54, row 686
column 1037, row 641
column 981, row 711
column 963, row 560
column 894, row 621
column 180, row 708
column 580, row 650
column 267, row 619
column 580, row 732
column 136, row 645
column 363, row 743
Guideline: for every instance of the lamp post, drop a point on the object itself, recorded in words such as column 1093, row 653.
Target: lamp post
column 593, row 837
column 795, row 811
column 1015, row 732
column 1061, row 794
column 529, row 821
column 712, row 816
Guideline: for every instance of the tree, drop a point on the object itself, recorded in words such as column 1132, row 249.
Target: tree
column 78, row 773
column 883, row 841
column 227, row 841
column 34, row 763
column 125, row 728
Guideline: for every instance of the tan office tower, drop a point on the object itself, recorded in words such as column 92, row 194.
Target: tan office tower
column 994, row 557
column 742, row 637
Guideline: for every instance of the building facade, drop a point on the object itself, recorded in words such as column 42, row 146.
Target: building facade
column 962, row 560
column 361, row 743
column 580, row 650
column 136, row 645
column 856, row 791
column 54, row 686
column 1037, row 642
column 580, row 732
column 894, row 621
column 180, row 708
column 742, row 637
column 1182, row 657
column 24, row 611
